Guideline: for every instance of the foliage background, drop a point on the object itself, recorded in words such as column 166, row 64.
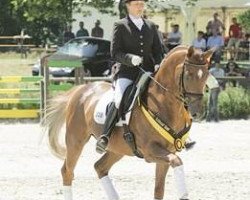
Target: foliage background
column 233, row 103
column 244, row 19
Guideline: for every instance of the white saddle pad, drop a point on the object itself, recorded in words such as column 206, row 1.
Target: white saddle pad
column 101, row 107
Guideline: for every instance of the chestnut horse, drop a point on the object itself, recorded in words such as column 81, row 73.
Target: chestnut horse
column 179, row 81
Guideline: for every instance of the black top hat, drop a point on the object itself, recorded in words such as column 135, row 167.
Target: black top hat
column 127, row 1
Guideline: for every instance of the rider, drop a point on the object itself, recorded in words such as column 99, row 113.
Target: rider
column 135, row 42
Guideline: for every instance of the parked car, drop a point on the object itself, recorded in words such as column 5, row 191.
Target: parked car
column 93, row 52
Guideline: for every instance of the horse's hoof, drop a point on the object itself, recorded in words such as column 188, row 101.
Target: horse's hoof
column 189, row 145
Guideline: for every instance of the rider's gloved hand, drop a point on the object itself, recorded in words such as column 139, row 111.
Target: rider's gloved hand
column 136, row 60
column 157, row 67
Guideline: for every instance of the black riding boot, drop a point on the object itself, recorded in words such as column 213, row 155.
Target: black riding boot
column 111, row 120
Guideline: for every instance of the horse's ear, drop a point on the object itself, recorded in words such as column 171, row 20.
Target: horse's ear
column 208, row 54
column 190, row 51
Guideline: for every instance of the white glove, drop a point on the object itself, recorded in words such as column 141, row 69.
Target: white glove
column 136, row 60
column 157, row 67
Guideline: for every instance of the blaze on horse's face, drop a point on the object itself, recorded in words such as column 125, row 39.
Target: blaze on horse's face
column 194, row 76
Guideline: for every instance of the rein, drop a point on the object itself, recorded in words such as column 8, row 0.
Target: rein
column 180, row 98
column 183, row 94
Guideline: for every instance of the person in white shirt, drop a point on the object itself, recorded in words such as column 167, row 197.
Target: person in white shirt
column 215, row 87
column 216, row 41
column 200, row 42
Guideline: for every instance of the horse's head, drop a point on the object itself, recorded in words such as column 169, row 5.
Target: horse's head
column 193, row 78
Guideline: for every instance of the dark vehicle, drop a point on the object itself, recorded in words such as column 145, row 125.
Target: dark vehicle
column 93, row 52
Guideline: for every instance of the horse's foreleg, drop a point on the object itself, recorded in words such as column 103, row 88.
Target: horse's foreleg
column 102, row 167
column 179, row 176
column 160, row 175
column 162, row 156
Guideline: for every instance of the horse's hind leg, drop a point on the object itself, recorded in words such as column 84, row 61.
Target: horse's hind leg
column 102, row 167
column 76, row 138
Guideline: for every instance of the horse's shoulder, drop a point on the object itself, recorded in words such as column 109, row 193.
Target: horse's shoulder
column 100, row 85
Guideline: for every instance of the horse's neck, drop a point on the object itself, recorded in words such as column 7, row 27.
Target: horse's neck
column 167, row 107
column 169, row 75
column 166, row 103
column 171, row 67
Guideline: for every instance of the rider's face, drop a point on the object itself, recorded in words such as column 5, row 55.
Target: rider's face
column 136, row 8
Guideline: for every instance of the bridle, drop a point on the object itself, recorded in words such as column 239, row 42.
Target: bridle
column 184, row 94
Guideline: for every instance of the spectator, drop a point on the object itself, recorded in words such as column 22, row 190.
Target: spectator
column 97, row 31
column 216, row 41
column 200, row 42
column 21, row 41
column 215, row 24
column 232, row 69
column 82, row 31
column 174, row 37
column 68, row 35
column 216, row 72
column 207, row 34
column 244, row 52
column 234, row 39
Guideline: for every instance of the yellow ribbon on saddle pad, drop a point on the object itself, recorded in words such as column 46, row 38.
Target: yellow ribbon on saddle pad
column 163, row 129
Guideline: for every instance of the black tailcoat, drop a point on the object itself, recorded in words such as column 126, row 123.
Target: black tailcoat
column 128, row 40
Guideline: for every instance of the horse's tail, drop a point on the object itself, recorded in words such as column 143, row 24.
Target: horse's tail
column 55, row 117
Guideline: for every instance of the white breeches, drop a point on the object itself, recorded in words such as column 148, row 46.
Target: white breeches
column 120, row 86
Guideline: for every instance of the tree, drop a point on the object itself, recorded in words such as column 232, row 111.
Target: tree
column 10, row 22
column 52, row 15
column 244, row 19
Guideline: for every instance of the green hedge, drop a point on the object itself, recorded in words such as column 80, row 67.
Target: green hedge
column 234, row 103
